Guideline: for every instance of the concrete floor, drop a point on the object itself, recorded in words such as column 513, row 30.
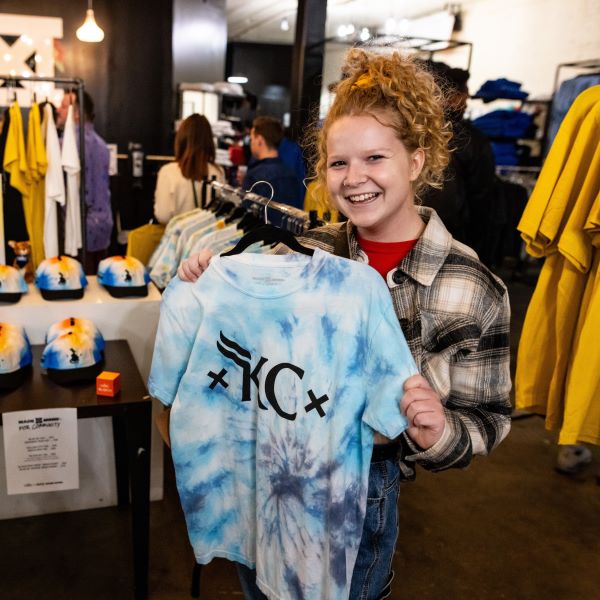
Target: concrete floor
column 507, row 527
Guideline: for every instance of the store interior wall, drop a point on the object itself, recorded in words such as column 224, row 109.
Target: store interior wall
column 525, row 40
column 522, row 40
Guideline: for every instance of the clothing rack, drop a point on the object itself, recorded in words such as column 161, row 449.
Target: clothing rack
column 589, row 64
column 238, row 195
column 12, row 81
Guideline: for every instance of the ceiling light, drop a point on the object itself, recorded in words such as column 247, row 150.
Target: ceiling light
column 344, row 30
column 89, row 31
column 8, row 57
column 237, row 79
column 285, row 24
column 26, row 40
column 365, row 34
column 390, row 26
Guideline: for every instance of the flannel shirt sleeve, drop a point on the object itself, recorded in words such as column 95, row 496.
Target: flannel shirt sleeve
column 478, row 408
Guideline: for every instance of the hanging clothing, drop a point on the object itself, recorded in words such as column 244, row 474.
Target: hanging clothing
column 174, row 193
column 55, row 184
column 99, row 218
column 15, row 158
column 544, row 204
column 559, row 223
column 13, row 215
column 280, row 478
column 563, row 99
column 33, row 199
column 72, row 166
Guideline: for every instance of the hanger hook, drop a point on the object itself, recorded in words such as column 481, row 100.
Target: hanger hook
column 270, row 198
column 307, row 179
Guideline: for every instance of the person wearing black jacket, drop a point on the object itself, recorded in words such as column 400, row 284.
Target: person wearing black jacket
column 468, row 193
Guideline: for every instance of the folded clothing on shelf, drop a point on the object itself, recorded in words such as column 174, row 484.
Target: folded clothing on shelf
column 501, row 88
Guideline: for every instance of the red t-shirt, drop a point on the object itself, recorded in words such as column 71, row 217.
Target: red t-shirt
column 384, row 256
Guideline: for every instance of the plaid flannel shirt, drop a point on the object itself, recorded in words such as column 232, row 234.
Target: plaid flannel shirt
column 455, row 316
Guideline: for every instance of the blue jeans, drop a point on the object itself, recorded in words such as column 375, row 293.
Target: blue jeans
column 372, row 575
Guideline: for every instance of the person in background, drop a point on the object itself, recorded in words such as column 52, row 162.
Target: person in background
column 467, row 196
column 265, row 136
column 290, row 153
column 99, row 217
column 179, row 183
column 383, row 141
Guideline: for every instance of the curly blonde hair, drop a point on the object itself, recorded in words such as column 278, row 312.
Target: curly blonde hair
column 399, row 94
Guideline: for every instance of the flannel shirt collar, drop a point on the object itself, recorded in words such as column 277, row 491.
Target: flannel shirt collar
column 424, row 261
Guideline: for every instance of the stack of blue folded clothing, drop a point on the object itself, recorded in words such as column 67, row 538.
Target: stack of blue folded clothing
column 501, row 88
column 504, row 123
column 505, row 153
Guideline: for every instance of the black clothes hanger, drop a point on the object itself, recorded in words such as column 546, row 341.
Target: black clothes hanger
column 237, row 213
column 269, row 234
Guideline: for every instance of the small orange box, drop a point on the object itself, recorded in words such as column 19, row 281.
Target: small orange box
column 108, row 384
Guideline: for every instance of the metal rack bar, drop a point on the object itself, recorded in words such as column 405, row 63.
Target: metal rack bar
column 77, row 82
column 237, row 195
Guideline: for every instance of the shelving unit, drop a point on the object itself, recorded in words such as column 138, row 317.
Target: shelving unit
column 541, row 120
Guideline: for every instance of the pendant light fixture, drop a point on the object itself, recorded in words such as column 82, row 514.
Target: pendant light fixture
column 89, row 31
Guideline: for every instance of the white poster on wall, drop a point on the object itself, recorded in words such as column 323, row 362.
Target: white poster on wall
column 27, row 49
column 41, row 450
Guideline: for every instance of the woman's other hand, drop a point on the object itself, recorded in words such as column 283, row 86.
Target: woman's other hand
column 424, row 410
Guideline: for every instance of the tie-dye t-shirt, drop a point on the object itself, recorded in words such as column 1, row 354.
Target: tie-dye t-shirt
column 279, row 369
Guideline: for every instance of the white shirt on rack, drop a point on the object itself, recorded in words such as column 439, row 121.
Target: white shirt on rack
column 72, row 167
column 55, row 184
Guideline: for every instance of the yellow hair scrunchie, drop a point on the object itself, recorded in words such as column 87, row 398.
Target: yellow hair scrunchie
column 363, row 82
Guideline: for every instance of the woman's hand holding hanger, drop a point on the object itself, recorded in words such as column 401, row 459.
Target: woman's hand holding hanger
column 193, row 266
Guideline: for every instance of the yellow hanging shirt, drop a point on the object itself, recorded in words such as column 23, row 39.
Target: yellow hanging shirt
column 34, row 198
column 550, row 324
column 14, row 153
column 542, row 197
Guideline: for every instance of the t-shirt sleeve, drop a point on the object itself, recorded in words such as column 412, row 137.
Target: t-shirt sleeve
column 389, row 364
column 173, row 343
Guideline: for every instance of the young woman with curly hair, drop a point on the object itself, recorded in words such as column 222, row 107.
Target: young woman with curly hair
column 383, row 141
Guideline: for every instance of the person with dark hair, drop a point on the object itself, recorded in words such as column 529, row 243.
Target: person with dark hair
column 179, row 183
column 99, row 218
column 265, row 136
column 469, row 181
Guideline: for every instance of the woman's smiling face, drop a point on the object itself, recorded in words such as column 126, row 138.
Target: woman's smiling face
column 369, row 176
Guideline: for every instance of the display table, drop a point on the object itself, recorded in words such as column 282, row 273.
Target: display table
column 131, row 413
column 132, row 319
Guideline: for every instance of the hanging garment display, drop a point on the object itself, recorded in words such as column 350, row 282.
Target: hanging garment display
column 12, row 209
column 55, row 184
column 72, row 167
column 558, row 224
column 33, row 199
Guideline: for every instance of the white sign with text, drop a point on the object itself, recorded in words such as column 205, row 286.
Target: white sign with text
column 41, row 450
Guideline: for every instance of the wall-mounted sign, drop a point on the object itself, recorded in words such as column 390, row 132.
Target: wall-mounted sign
column 27, row 50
